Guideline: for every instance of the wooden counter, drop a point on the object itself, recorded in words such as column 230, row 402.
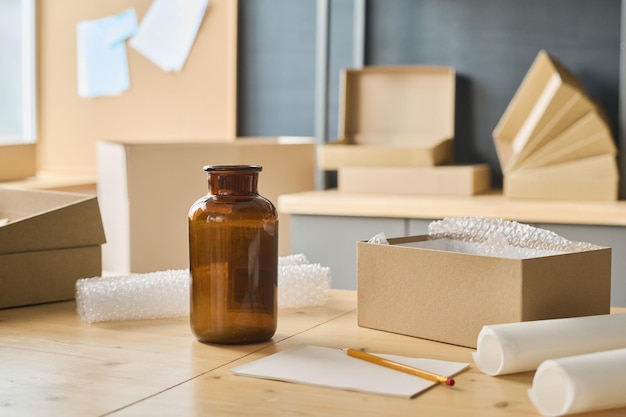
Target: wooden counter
column 53, row 364
column 335, row 203
column 325, row 225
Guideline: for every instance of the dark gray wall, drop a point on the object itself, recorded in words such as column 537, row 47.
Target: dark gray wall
column 276, row 68
column 491, row 43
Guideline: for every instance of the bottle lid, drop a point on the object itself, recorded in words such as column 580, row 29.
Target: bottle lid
column 222, row 168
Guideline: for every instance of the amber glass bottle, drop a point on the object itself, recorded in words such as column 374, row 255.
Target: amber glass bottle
column 233, row 256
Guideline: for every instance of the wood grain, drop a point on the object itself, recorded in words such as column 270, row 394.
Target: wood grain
column 53, row 364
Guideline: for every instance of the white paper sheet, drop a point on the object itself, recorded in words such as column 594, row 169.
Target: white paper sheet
column 101, row 54
column 519, row 347
column 582, row 383
column 3, row 222
column 333, row 368
column 168, row 31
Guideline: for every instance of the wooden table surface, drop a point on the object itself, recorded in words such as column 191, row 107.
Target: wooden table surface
column 52, row 364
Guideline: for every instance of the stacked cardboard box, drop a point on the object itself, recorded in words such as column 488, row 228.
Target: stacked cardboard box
column 50, row 240
column 397, row 128
column 553, row 141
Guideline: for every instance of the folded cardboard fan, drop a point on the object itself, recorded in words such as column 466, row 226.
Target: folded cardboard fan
column 553, row 141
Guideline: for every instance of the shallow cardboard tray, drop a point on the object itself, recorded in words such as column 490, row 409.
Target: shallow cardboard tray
column 438, row 180
column 41, row 220
column 407, row 109
column 51, row 240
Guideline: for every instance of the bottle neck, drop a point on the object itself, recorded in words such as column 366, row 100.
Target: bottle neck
column 235, row 180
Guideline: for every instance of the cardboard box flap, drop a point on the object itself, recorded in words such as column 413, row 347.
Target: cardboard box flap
column 587, row 137
column 42, row 220
column 548, row 100
column 580, row 169
column 397, row 103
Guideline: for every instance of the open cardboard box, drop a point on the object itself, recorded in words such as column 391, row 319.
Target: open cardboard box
column 407, row 287
column 397, row 115
column 438, row 180
column 51, row 240
column 146, row 189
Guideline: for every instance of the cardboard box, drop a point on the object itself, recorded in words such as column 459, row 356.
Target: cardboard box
column 552, row 137
column 18, row 161
column 439, row 180
column 588, row 179
column 397, row 115
column 448, row 297
column 146, row 189
column 51, row 240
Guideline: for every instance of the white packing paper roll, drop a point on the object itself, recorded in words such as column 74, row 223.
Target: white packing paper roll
column 519, row 347
column 582, row 383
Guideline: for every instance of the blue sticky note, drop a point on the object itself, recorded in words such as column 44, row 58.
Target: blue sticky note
column 101, row 54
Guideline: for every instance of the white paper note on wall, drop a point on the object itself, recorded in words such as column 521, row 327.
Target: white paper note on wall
column 101, row 54
column 168, row 31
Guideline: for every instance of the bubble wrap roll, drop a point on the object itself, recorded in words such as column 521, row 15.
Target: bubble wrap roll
column 166, row 293
column 133, row 297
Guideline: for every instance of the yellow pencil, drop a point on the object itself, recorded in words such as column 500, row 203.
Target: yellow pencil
column 399, row 367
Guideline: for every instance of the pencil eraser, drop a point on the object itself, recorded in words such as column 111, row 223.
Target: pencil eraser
column 450, row 381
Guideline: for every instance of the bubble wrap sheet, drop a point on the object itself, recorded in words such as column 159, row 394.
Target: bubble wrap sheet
column 303, row 285
column 502, row 238
column 133, row 297
column 166, row 293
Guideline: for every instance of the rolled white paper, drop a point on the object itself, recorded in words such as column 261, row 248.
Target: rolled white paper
column 519, row 347
column 582, row 383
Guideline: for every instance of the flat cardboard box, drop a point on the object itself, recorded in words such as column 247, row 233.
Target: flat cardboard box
column 589, row 179
column 448, row 297
column 587, row 137
column 51, row 240
column 397, row 115
column 553, row 142
column 146, row 189
column 460, row 180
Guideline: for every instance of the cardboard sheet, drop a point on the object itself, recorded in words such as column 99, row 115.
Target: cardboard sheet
column 333, row 368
